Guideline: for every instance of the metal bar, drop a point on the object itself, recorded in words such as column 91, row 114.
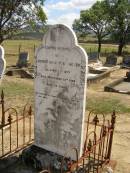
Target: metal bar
column 113, row 119
column 2, row 140
column 21, row 147
column 23, row 127
column 3, row 108
column 10, row 137
column 17, row 130
column 14, row 121
column 10, row 129
column 30, row 121
column 103, row 149
column 107, row 144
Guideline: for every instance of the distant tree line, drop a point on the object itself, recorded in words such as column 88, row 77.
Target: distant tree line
column 106, row 18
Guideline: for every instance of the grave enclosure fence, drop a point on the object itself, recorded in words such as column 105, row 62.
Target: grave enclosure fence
column 16, row 133
column 97, row 147
column 16, row 129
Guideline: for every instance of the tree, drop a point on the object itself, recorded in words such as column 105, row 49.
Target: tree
column 15, row 14
column 119, row 12
column 96, row 20
column 79, row 29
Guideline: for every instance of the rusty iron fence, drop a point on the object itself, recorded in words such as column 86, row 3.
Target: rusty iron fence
column 97, row 147
column 16, row 129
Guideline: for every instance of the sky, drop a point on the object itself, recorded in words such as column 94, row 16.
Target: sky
column 65, row 11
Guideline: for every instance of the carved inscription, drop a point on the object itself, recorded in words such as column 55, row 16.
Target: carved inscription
column 60, row 93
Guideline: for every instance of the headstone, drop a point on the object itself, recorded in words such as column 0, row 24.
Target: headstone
column 111, row 60
column 23, row 59
column 92, row 57
column 60, row 92
column 2, row 62
column 126, row 61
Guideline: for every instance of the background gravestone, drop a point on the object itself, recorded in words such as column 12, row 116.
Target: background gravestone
column 111, row 60
column 23, row 59
column 92, row 57
column 60, row 87
column 2, row 62
column 126, row 61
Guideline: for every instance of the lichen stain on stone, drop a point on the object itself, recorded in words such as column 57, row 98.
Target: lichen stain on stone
column 61, row 119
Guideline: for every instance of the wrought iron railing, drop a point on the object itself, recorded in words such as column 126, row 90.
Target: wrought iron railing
column 16, row 129
column 16, row 132
column 97, row 147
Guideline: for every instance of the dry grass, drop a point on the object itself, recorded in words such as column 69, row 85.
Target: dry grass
column 12, row 48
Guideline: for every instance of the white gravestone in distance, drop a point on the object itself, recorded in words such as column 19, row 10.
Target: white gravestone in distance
column 60, row 92
column 2, row 62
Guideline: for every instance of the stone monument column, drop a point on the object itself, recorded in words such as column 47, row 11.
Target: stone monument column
column 2, row 63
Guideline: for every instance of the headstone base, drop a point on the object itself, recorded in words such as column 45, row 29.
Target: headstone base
column 41, row 159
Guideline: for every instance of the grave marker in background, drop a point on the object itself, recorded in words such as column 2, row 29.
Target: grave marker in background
column 60, row 92
column 23, row 59
column 2, row 62
column 111, row 60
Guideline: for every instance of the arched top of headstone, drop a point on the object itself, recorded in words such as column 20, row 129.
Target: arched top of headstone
column 1, row 51
column 2, row 62
column 60, row 36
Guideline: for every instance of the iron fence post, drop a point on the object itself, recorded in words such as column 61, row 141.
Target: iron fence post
column 3, row 109
column 113, row 120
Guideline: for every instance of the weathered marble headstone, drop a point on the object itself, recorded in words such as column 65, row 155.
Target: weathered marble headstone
column 126, row 61
column 111, row 60
column 23, row 59
column 2, row 62
column 60, row 92
column 92, row 57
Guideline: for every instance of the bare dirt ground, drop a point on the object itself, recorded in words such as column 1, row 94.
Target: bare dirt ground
column 121, row 142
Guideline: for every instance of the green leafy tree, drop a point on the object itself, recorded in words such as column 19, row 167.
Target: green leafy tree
column 119, row 12
column 96, row 20
column 79, row 29
column 15, row 14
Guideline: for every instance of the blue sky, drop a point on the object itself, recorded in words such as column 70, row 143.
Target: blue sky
column 65, row 11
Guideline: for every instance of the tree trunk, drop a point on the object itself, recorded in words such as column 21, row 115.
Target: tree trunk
column 120, row 48
column 121, row 43
column 99, row 47
column 1, row 39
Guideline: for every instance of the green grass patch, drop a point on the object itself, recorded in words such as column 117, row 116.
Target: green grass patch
column 17, row 89
column 106, row 105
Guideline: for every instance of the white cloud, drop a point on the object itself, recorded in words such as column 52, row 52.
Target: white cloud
column 79, row 4
column 62, row 7
column 65, row 19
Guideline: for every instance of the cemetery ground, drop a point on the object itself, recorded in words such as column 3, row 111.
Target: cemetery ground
column 19, row 91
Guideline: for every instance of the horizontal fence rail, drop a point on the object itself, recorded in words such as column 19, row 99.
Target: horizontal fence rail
column 16, row 129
